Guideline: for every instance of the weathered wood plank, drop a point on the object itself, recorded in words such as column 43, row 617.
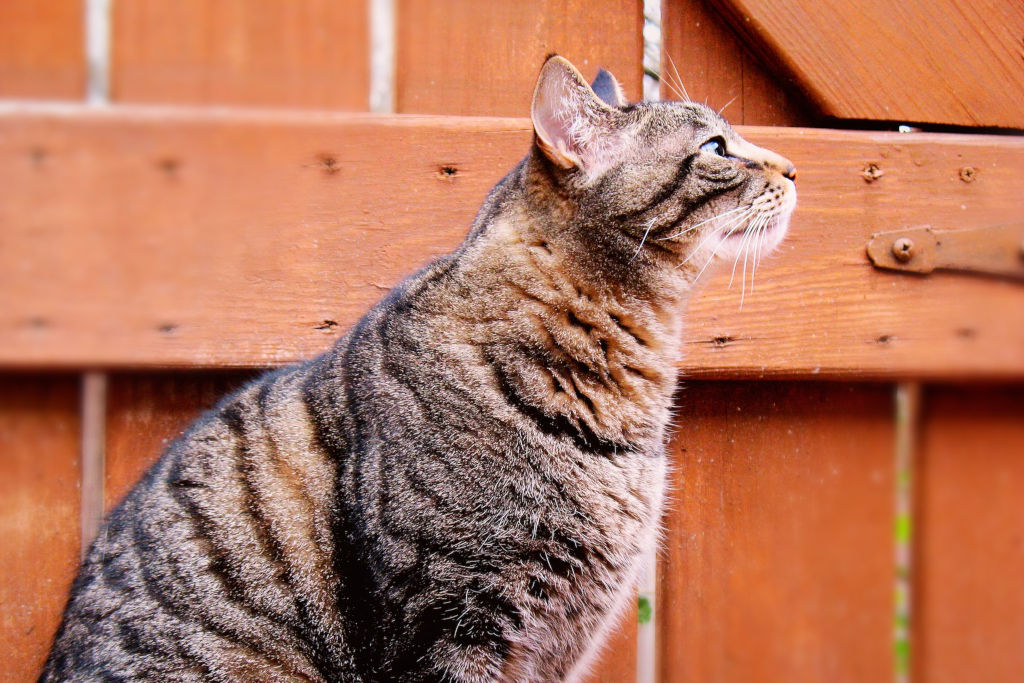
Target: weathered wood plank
column 42, row 52
column 933, row 61
column 617, row 661
column 703, row 56
column 777, row 561
column 295, row 53
column 968, row 618
column 155, row 238
column 39, row 514
column 481, row 58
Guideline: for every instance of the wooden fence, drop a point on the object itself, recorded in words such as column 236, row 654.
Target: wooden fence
column 846, row 438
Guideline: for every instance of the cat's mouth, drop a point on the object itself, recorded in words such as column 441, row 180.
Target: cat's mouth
column 762, row 224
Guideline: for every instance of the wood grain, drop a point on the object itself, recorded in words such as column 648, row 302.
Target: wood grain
column 196, row 239
column 294, row 53
column 703, row 55
column 932, row 61
column 147, row 411
column 481, row 58
column 42, row 51
column 778, row 560
column 969, row 602
column 617, row 662
column 39, row 514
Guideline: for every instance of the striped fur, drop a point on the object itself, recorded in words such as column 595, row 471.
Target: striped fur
column 461, row 489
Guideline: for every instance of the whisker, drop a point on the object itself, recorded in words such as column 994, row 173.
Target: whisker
column 761, row 226
column 743, row 246
column 714, row 252
column 727, row 104
column 666, row 78
column 757, row 253
column 666, row 81
column 743, row 285
column 647, row 232
column 703, row 222
column 710, row 259
column 679, row 78
column 733, row 224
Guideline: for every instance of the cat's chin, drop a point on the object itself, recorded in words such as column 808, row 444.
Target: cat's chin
column 753, row 243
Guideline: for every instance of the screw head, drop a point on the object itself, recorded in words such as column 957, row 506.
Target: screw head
column 871, row 173
column 903, row 249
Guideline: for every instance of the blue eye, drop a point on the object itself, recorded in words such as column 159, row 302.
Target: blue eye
column 715, row 145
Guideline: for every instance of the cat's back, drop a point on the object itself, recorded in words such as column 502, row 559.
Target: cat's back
column 218, row 564
column 223, row 561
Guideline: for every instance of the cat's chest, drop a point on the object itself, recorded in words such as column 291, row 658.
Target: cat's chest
column 582, row 563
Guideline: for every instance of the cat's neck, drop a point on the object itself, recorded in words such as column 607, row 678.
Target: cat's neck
column 600, row 352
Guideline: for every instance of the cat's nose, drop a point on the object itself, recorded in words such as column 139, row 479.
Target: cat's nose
column 781, row 164
column 765, row 158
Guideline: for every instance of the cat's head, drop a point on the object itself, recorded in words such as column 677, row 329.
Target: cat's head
column 667, row 183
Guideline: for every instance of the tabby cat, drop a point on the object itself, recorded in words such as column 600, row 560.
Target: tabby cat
column 463, row 487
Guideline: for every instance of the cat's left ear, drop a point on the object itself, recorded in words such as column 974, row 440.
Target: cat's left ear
column 571, row 121
column 607, row 87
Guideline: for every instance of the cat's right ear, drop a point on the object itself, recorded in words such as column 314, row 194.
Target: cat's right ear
column 568, row 117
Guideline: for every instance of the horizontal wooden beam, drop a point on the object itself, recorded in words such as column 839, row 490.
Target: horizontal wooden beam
column 928, row 61
column 140, row 237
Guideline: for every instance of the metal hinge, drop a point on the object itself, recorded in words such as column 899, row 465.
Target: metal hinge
column 996, row 250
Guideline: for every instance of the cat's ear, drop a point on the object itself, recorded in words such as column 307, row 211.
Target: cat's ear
column 568, row 117
column 607, row 87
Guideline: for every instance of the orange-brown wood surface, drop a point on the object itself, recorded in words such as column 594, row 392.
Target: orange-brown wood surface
column 969, row 600
column 481, row 58
column 935, row 61
column 39, row 513
column 295, row 53
column 704, row 56
column 42, row 51
column 778, row 560
column 146, row 412
column 617, row 662
column 205, row 240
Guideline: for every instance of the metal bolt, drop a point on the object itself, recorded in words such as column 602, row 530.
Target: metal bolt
column 903, row 249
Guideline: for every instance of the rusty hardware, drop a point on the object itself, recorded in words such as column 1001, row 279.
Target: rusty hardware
column 903, row 249
column 996, row 250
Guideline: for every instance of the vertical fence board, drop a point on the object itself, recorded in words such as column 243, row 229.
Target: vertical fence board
column 968, row 618
column 296, row 53
column 778, row 558
column 148, row 411
column 715, row 66
column 39, row 514
column 467, row 57
column 617, row 663
column 42, row 52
